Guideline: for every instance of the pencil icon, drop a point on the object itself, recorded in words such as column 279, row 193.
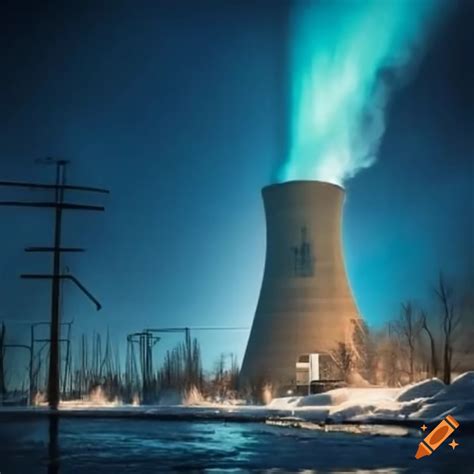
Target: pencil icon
column 436, row 437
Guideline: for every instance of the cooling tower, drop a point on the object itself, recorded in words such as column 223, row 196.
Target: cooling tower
column 305, row 303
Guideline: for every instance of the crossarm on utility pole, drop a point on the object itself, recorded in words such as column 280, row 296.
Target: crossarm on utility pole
column 66, row 187
column 57, row 205
column 30, row 276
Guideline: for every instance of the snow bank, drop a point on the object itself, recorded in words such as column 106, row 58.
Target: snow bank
column 426, row 400
column 96, row 399
column 461, row 388
column 423, row 389
column 337, row 405
column 284, row 403
column 331, row 398
column 363, row 402
column 335, row 398
column 343, row 397
column 456, row 399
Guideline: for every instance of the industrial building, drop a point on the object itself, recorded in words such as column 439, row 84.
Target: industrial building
column 305, row 304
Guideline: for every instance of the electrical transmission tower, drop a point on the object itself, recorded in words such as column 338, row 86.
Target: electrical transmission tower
column 59, row 205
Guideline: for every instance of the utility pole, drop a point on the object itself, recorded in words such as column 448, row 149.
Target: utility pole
column 53, row 378
column 146, row 341
column 59, row 205
column 2, row 355
column 34, row 353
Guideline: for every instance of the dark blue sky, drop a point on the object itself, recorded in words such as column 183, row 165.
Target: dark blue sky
column 180, row 111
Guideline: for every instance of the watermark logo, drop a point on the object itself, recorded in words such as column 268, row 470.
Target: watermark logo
column 437, row 436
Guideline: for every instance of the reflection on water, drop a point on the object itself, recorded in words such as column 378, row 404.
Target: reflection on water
column 107, row 446
column 53, row 446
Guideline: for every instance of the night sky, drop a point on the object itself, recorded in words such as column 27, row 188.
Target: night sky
column 179, row 108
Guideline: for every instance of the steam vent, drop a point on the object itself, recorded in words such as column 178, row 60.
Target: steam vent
column 305, row 305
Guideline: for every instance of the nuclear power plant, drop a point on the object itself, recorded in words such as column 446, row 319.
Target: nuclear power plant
column 305, row 305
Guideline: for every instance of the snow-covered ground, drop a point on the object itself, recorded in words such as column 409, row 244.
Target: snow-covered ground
column 428, row 401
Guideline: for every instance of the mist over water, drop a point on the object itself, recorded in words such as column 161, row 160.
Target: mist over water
column 346, row 59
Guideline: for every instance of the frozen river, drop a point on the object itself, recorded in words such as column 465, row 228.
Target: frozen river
column 115, row 446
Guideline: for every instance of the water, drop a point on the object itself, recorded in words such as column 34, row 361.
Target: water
column 107, row 446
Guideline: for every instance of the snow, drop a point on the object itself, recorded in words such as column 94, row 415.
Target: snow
column 96, row 399
column 456, row 399
column 283, row 403
column 423, row 389
column 337, row 405
column 426, row 400
column 461, row 388
column 336, row 397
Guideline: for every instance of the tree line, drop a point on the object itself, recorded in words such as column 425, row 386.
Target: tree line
column 415, row 344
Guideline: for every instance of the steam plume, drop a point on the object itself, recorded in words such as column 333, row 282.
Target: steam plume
column 346, row 56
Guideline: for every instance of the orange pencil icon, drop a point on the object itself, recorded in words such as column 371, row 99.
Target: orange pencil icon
column 436, row 437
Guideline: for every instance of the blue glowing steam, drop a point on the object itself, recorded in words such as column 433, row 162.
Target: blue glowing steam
column 346, row 56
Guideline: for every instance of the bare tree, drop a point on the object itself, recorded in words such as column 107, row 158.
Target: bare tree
column 344, row 359
column 225, row 377
column 433, row 368
column 182, row 367
column 234, row 372
column 450, row 319
column 364, row 350
column 219, row 380
column 408, row 328
column 390, row 350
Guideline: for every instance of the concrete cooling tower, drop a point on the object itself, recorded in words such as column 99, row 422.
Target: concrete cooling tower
column 305, row 303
